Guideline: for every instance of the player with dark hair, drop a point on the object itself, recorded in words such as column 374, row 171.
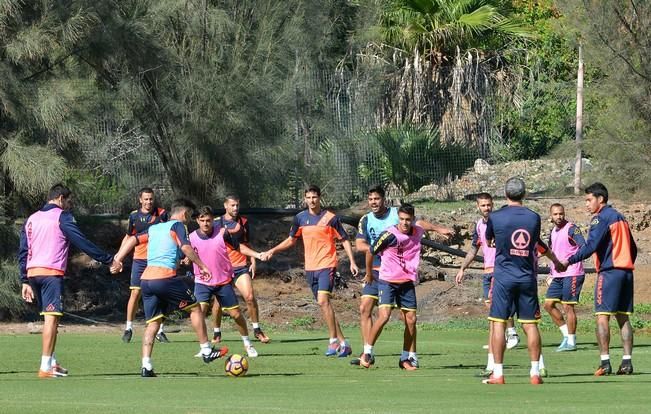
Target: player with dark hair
column 319, row 229
column 515, row 232
column 139, row 221
column 162, row 291
column 43, row 259
column 238, row 226
column 565, row 239
column 399, row 246
column 370, row 226
column 615, row 252
column 214, row 243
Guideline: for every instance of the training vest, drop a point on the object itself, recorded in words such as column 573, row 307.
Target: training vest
column 47, row 246
column 162, row 249
column 375, row 226
column 400, row 262
column 563, row 249
column 214, row 253
column 487, row 251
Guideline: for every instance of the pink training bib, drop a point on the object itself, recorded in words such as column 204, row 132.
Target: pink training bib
column 47, row 245
column 214, row 253
column 487, row 251
column 563, row 249
column 400, row 262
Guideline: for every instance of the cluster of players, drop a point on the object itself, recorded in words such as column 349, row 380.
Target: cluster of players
column 390, row 238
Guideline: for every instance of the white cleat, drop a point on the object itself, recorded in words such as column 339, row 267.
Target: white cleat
column 251, row 352
column 198, row 355
column 512, row 340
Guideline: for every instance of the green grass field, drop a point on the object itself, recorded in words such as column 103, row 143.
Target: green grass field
column 293, row 376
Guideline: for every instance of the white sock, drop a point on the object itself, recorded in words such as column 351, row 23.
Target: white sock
column 412, row 355
column 571, row 339
column 626, row 357
column 333, row 341
column 511, row 331
column 129, row 326
column 216, row 330
column 205, row 348
column 368, row 349
column 160, row 330
column 564, row 330
column 541, row 362
column 343, row 343
column 46, row 363
column 498, row 370
column 491, row 362
column 605, row 357
column 247, row 342
column 404, row 355
column 255, row 325
column 535, row 370
column 146, row 363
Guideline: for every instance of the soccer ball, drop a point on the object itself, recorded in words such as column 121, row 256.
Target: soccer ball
column 236, row 365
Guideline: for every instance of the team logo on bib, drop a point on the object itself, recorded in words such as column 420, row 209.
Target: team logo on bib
column 520, row 239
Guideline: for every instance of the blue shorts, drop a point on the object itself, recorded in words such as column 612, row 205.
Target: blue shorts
column 401, row 295
column 370, row 290
column 613, row 292
column 515, row 297
column 160, row 297
column 48, row 291
column 565, row 289
column 224, row 293
column 487, row 286
column 137, row 267
column 321, row 281
column 239, row 271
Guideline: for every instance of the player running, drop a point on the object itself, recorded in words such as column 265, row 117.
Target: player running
column 319, row 228
column 214, row 243
column 139, row 221
column 399, row 246
column 615, row 252
column 43, row 258
column 370, row 226
column 515, row 232
column 162, row 291
column 238, row 227
column 564, row 287
column 485, row 207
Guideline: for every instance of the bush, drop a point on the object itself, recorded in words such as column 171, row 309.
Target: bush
column 12, row 306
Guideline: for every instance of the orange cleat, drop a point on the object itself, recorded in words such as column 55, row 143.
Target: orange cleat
column 494, row 380
column 535, row 380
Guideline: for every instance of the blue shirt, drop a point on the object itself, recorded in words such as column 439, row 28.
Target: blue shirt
column 371, row 226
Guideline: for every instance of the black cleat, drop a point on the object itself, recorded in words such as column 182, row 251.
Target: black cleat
column 260, row 336
column 603, row 370
column 162, row 338
column 147, row 373
column 126, row 336
column 215, row 354
column 625, row 369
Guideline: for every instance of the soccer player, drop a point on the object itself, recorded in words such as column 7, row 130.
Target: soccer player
column 43, row 258
column 319, row 228
column 238, row 227
column 399, row 246
column 564, row 287
column 515, row 232
column 214, row 243
column 139, row 221
column 162, row 291
column 485, row 206
column 615, row 252
column 370, row 226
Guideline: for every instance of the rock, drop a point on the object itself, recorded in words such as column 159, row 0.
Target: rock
column 481, row 166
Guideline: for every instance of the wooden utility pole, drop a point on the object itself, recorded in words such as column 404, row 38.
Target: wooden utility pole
column 579, row 124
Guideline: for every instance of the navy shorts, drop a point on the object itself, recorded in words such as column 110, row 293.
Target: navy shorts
column 239, row 271
column 160, row 297
column 137, row 267
column 401, row 295
column 224, row 293
column 613, row 292
column 321, row 281
column 565, row 289
column 370, row 290
column 487, row 286
column 514, row 296
column 48, row 291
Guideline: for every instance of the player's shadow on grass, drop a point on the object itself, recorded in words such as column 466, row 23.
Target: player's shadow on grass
column 290, row 341
column 462, row 366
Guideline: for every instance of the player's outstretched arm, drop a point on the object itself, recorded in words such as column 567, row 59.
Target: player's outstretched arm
column 127, row 245
column 470, row 256
column 348, row 248
column 247, row 251
column 442, row 230
column 282, row 246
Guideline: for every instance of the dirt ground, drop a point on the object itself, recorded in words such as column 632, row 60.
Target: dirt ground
column 286, row 302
